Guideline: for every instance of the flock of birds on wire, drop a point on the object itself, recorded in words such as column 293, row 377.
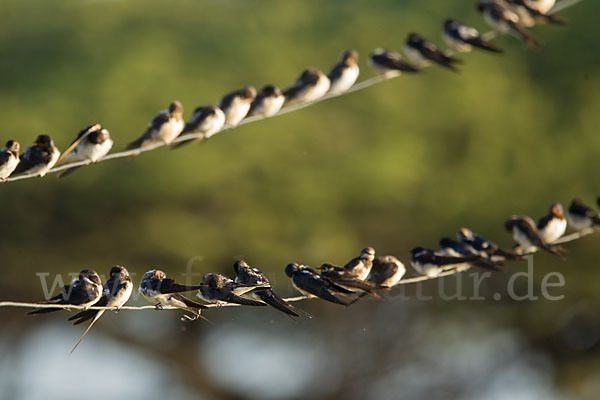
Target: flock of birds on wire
column 94, row 142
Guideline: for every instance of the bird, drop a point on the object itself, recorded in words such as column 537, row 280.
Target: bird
column 427, row 262
column 345, row 73
column 116, row 291
column 308, row 282
column 553, row 225
column 423, row 53
column 462, row 38
column 581, row 216
column 84, row 291
column 163, row 128
column 39, row 158
column 542, row 6
column 386, row 273
column 361, row 266
column 527, row 236
column 206, row 120
column 9, row 159
column 163, row 291
column 389, row 63
column 246, row 275
column 504, row 20
column 310, row 86
column 219, row 289
column 452, row 248
column 268, row 102
column 344, row 278
column 530, row 16
column 485, row 247
column 91, row 144
column 236, row 105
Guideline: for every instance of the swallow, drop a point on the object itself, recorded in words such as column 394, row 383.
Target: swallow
column 581, row 216
column 527, row 236
column 462, row 38
column 361, row 266
column 248, row 276
column 531, row 16
column 39, row 158
column 163, row 128
column 428, row 262
column 236, row 105
column 452, row 248
column 499, row 15
column 345, row 73
column 542, row 6
column 344, row 278
column 9, row 159
column 553, row 225
column 163, row 291
column 389, row 63
column 310, row 86
column 219, row 289
column 206, row 120
column 91, row 144
column 116, row 291
column 387, row 271
column 423, row 53
column 268, row 102
column 485, row 247
column 85, row 291
column 308, row 282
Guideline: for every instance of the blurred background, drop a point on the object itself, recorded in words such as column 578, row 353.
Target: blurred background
column 394, row 166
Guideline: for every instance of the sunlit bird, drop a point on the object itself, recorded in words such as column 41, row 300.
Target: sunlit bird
column 553, row 225
column 580, row 216
column 310, row 86
column 91, row 144
column 428, row 262
column 527, row 236
column 462, row 38
column 268, row 102
column 9, row 159
column 389, row 63
column 236, row 105
column 504, row 20
column 531, row 16
column 219, row 289
column 39, row 158
column 163, row 128
column 348, row 280
column 345, row 73
column 206, row 120
column 308, row 282
column 361, row 266
column 423, row 53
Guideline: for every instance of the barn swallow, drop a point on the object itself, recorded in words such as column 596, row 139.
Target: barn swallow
column 310, row 86
column 219, row 289
column 85, row 291
column 452, row 248
column 116, row 291
column 344, row 278
column 91, row 144
column 268, row 102
column 343, row 75
column 389, row 63
column 38, row 159
column 236, row 105
column 527, row 236
column 9, row 159
column 531, row 16
column 163, row 291
column 581, row 216
column 163, row 128
column 387, row 271
column 207, row 120
column 462, row 38
column 485, row 247
column 309, row 283
column 361, row 266
column 248, row 276
column 423, row 53
column 553, row 225
column 427, row 262
column 499, row 15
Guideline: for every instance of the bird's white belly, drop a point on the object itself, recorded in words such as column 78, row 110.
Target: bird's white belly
column 9, row 167
column 455, row 44
column 579, row 223
column 345, row 82
column 236, row 112
column 214, row 124
column 416, row 57
column 270, row 106
column 554, row 230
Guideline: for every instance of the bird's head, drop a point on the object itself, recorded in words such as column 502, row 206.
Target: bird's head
column 270, row 91
column 557, row 210
column 350, row 57
column 13, row 146
column 44, row 142
column 291, row 269
column 176, row 109
column 240, row 264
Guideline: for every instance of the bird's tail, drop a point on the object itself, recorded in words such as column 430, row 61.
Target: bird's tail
column 100, row 312
column 68, row 172
column 136, row 144
column 83, row 316
column 43, row 311
column 525, row 36
column 484, row 45
column 272, row 299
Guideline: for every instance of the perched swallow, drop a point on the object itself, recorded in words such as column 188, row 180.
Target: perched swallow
column 531, row 16
column 115, row 293
column 310, row 86
column 389, row 63
column 9, row 159
column 91, row 144
column 163, row 291
column 485, row 247
column 387, row 271
column 268, row 102
column 581, row 216
column 220, row 289
column 248, row 276
column 463, row 38
column 427, row 262
column 423, row 53
column 553, row 225
column 236, row 105
column 343, row 75
column 527, row 236
column 85, row 290
column 311, row 284
column 499, row 15
column 361, row 266
column 542, row 6
column 163, row 128
column 38, row 159
column 207, row 120
column 452, row 248
column 344, row 278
